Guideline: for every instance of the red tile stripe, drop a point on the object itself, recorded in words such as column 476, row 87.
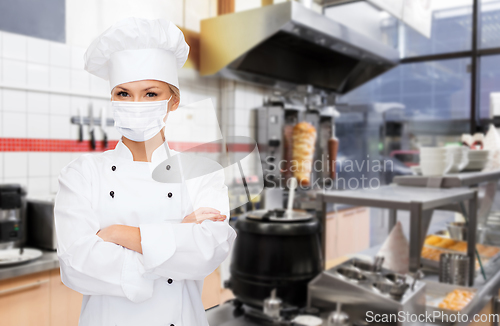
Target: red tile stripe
column 69, row 145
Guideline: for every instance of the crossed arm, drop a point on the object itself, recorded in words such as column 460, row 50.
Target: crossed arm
column 130, row 236
column 92, row 263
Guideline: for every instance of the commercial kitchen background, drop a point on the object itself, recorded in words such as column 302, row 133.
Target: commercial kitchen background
column 43, row 83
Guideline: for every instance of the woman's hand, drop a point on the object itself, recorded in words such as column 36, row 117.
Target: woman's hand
column 123, row 235
column 108, row 233
column 202, row 214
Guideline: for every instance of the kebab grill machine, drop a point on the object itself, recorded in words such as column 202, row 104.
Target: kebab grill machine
column 295, row 129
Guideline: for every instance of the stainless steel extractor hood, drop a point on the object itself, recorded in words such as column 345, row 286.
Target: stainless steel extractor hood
column 288, row 44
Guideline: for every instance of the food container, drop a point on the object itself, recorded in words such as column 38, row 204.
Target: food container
column 458, row 231
column 454, row 269
column 436, row 293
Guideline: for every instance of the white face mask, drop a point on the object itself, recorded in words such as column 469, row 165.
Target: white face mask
column 139, row 121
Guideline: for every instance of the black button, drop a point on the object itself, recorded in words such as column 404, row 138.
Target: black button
column 112, row 194
column 170, row 195
column 274, row 142
column 172, row 325
column 168, row 167
column 113, row 168
column 170, row 281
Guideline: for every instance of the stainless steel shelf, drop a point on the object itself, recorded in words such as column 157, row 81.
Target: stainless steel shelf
column 398, row 197
column 457, row 180
column 486, row 180
column 420, row 202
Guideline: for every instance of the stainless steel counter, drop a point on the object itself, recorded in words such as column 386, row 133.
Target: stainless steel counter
column 47, row 262
column 486, row 290
column 225, row 314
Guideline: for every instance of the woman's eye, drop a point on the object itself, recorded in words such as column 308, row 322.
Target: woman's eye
column 123, row 94
column 150, row 94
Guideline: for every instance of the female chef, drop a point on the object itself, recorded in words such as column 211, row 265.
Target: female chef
column 137, row 249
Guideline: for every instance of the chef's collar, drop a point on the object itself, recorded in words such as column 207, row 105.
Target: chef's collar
column 159, row 154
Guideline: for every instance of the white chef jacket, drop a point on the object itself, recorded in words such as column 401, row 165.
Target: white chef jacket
column 121, row 287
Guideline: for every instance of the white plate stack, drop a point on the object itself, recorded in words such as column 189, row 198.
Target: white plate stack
column 435, row 160
column 477, row 159
column 460, row 157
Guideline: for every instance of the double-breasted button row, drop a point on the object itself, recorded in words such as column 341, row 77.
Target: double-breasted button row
column 112, row 193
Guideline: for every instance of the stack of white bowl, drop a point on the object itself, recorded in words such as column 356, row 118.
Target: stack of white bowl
column 460, row 158
column 435, row 160
column 477, row 159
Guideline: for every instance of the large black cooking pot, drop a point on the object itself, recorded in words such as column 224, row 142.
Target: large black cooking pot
column 275, row 253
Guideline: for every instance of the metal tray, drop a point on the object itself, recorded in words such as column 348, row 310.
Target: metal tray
column 433, row 265
column 461, row 252
column 436, row 292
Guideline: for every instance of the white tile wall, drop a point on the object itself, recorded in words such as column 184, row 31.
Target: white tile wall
column 15, row 164
column 59, row 55
column 54, row 185
column 38, row 125
column 13, row 46
column 59, row 161
column 14, row 124
column 14, row 100
column 77, row 54
column 38, row 75
column 80, row 81
column 78, row 102
column 60, row 78
column 1, row 45
column 99, row 86
column 38, row 164
column 37, row 51
column 13, row 72
column 37, row 102
column 1, row 166
column 59, row 104
column 59, row 127
column 38, row 186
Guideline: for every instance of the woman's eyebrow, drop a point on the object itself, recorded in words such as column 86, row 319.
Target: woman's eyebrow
column 146, row 89
column 122, row 88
